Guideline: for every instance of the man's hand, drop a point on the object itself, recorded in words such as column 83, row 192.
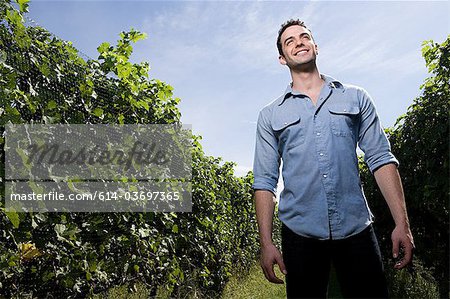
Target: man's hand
column 388, row 179
column 270, row 255
column 402, row 246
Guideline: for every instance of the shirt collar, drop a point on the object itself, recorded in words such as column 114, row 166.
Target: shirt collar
column 329, row 81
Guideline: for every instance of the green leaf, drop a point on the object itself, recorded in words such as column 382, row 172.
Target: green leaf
column 98, row 112
column 13, row 217
column 60, row 229
column 123, row 70
column 3, row 56
column 138, row 36
column 51, row 105
column 23, row 5
column 121, row 118
column 145, row 105
column 33, row 223
column 15, row 18
column 103, row 47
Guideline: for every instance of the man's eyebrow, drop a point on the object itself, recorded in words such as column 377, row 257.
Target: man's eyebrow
column 305, row 33
column 288, row 38
column 301, row 35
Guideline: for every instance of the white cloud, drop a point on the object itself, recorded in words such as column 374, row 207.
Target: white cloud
column 238, row 35
column 376, row 41
column 240, row 170
column 212, row 52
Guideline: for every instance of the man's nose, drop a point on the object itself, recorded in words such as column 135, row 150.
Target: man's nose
column 298, row 42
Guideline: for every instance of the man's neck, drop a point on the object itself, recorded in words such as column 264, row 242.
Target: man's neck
column 306, row 81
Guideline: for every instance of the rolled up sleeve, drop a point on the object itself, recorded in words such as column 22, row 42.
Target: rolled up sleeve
column 372, row 140
column 267, row 159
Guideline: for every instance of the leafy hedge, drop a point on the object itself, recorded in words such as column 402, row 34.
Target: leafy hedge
column 45, row 80
column 420, row 141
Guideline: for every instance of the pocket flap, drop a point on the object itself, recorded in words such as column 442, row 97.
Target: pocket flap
column 284, row 122
column 343, row 109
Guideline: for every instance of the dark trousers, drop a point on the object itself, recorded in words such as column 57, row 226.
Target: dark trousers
column 357, row 261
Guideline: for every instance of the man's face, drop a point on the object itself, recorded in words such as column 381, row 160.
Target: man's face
column 298, row 47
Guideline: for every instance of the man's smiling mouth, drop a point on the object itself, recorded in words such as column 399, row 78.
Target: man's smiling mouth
column 301, row 52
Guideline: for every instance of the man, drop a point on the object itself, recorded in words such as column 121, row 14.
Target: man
column 314, row 128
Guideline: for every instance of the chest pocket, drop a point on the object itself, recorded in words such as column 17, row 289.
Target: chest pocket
column 344, row 119
column 289, row 131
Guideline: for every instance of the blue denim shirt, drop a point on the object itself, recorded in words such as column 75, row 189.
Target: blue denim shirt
column 322, row 196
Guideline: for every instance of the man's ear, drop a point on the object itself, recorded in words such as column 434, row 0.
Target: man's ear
column 282, row 60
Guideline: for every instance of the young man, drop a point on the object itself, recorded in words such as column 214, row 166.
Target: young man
column 314, row 128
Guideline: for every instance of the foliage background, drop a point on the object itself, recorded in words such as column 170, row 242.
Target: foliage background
column 45, row 80
column 420, row 141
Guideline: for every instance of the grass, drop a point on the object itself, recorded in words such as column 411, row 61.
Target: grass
column 254, row 286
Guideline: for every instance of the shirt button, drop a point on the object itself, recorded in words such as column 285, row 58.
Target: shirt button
column 345, row 110
column 324, row 175
column 321, row 154
column 318, row 134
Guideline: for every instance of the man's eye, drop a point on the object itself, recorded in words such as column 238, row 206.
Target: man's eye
column 289, row 42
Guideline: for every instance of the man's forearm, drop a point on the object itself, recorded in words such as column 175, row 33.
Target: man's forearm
column 265, row 205
column 388, row 179
column 389, row 182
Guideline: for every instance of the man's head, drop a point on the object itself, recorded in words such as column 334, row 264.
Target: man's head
column 283, row 28
column 295, row 44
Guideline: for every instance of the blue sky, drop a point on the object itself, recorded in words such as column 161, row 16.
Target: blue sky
column 221, row 58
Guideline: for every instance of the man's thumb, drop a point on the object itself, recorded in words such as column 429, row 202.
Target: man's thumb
column 395, row 248
column 281, row 265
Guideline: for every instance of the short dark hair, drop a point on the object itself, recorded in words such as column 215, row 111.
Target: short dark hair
column 286, row 25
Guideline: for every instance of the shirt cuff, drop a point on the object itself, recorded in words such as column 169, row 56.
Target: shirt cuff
column 385, row 159
column 261, row 185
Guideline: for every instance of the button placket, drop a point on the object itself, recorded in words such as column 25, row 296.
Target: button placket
column 324, row 170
